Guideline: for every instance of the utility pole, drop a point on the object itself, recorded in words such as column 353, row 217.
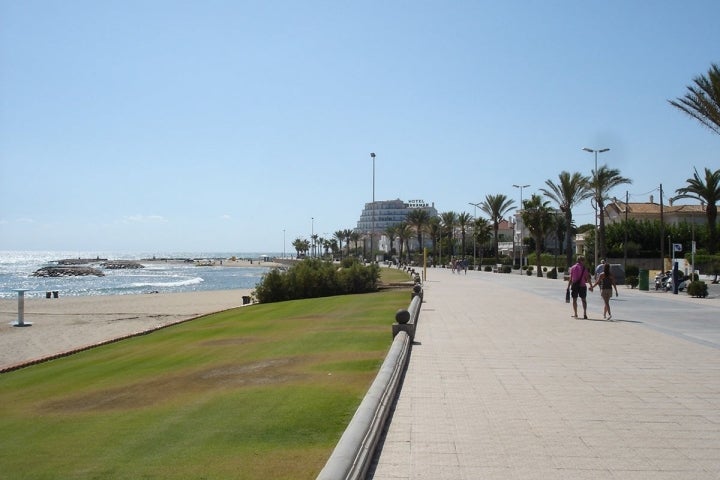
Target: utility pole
column 662, row 233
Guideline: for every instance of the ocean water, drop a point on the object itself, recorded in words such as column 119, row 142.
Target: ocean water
column 17, row 267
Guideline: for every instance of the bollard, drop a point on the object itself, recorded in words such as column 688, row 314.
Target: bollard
column 20, row 322
column 416, row 291
column 402, row 316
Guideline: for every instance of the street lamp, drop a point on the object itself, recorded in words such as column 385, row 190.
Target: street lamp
column 312, row 237
column 372, row 228
column 474, row 232
column 521, row 224
column 597, row 196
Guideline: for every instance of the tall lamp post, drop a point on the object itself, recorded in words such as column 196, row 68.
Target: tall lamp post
column 521, row 224
column 597, row 197
column 474, row 233
column 372, row 228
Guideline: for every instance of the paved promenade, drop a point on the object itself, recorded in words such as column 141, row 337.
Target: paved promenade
column 504, row 384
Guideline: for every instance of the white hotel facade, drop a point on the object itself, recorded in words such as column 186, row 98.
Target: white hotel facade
column 387, row 213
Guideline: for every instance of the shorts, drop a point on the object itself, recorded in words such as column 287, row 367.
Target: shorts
column 578, row 290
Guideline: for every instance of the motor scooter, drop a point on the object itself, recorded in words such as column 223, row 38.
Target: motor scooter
column 663, row 281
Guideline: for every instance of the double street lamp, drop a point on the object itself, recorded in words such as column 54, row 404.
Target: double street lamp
column 597, row 196
column 521, row 224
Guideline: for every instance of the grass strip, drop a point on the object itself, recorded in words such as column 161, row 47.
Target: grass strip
column 259, row 392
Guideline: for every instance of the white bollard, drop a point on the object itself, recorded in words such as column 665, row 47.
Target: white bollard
column 20, row 322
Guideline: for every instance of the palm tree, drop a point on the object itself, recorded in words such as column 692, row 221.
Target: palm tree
column 449, row 222
column 435, row 230
column 464, row 220
column 604, row 180
column 537, row 216
column 297, row 245
column 561, row 230
column 391, row 233
column 404, row 231
column 482, row 232
column 418, row 218
column 707, row 191
column 702, row 102
column 355, row 238
column 348, row 237
column 326, row 244
column 301, row 246
column 568, row 192
column 496, row 206
column 339, row 235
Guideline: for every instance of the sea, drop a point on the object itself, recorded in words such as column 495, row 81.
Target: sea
column 183, row 272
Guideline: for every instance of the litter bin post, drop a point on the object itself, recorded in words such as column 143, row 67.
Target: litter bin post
column 20, row 322
column 644, row 280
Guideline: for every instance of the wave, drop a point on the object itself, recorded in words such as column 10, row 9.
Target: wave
column 179, row 283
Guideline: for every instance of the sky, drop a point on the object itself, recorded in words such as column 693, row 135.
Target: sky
column 238, row 126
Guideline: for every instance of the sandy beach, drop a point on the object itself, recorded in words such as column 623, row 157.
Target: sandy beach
column 69, row 323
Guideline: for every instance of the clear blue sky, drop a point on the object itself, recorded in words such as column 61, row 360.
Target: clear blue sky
column 215, row 125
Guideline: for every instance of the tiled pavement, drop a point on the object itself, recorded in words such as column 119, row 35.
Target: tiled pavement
column 504, row 384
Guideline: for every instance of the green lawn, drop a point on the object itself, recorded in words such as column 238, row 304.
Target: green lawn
column 254, row 393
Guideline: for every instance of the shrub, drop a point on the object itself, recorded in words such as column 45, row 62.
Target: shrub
column 506, row 269
column 313, row 278
column 488, row 268
column 348, row 262
column 697, row 289
column 632, row 271
column 529, row 271
column 552, row 273
column 632, row 281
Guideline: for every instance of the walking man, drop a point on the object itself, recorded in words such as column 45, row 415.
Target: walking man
column 578, row 280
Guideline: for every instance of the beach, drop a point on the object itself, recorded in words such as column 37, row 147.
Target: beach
column 69, row 323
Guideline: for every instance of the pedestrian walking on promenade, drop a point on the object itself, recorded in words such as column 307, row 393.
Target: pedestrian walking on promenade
column 606, row 280
column 578, row 280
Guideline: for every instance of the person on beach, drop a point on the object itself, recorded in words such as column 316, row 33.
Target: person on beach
column 606, row 280
column 577, row 280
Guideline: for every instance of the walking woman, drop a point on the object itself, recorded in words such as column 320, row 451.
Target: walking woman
column 607, row 283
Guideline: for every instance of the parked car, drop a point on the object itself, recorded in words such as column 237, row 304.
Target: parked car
column 618, row 272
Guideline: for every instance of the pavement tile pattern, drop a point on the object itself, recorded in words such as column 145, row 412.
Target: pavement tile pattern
column 503, row 384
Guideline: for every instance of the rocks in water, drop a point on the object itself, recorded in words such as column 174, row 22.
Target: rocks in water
column 67, row 271
column 120, row 264
column 72, row 267
column 80, row 261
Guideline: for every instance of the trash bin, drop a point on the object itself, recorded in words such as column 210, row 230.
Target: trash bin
column 246, row 299
column 644, row 280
